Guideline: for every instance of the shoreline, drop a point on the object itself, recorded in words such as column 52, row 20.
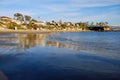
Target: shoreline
column 40, row 31
column 47, row 31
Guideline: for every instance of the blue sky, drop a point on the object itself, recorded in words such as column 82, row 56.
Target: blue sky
column 65, row 10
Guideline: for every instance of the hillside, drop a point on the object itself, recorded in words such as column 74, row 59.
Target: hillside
column 21, row 21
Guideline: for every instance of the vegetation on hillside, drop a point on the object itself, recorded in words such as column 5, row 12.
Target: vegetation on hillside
column 12, row 25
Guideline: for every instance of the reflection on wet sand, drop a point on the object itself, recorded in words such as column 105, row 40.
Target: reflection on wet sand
column 26, row 41
column 21, row 42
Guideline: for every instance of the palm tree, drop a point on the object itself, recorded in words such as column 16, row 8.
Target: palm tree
column 19, row 16
column 92, row 24
column 106, row 23
column 27, row 18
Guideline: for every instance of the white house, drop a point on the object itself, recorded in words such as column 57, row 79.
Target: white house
column 41, row 23
column 17, row 21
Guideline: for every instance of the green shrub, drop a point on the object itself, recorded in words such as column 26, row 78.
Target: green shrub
column 12, row 25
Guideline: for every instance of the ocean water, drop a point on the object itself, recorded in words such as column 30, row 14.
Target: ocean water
column 60, row 56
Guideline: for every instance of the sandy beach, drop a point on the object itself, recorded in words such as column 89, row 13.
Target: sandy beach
column 41, row 31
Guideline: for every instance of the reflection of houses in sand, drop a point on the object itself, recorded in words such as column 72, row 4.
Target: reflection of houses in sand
column 62, row 45
column 31, row 40
column 26, row 41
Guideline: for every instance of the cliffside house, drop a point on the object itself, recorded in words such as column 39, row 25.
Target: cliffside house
column 5, row 19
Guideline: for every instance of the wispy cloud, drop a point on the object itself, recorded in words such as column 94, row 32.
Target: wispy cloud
column 95, row 3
